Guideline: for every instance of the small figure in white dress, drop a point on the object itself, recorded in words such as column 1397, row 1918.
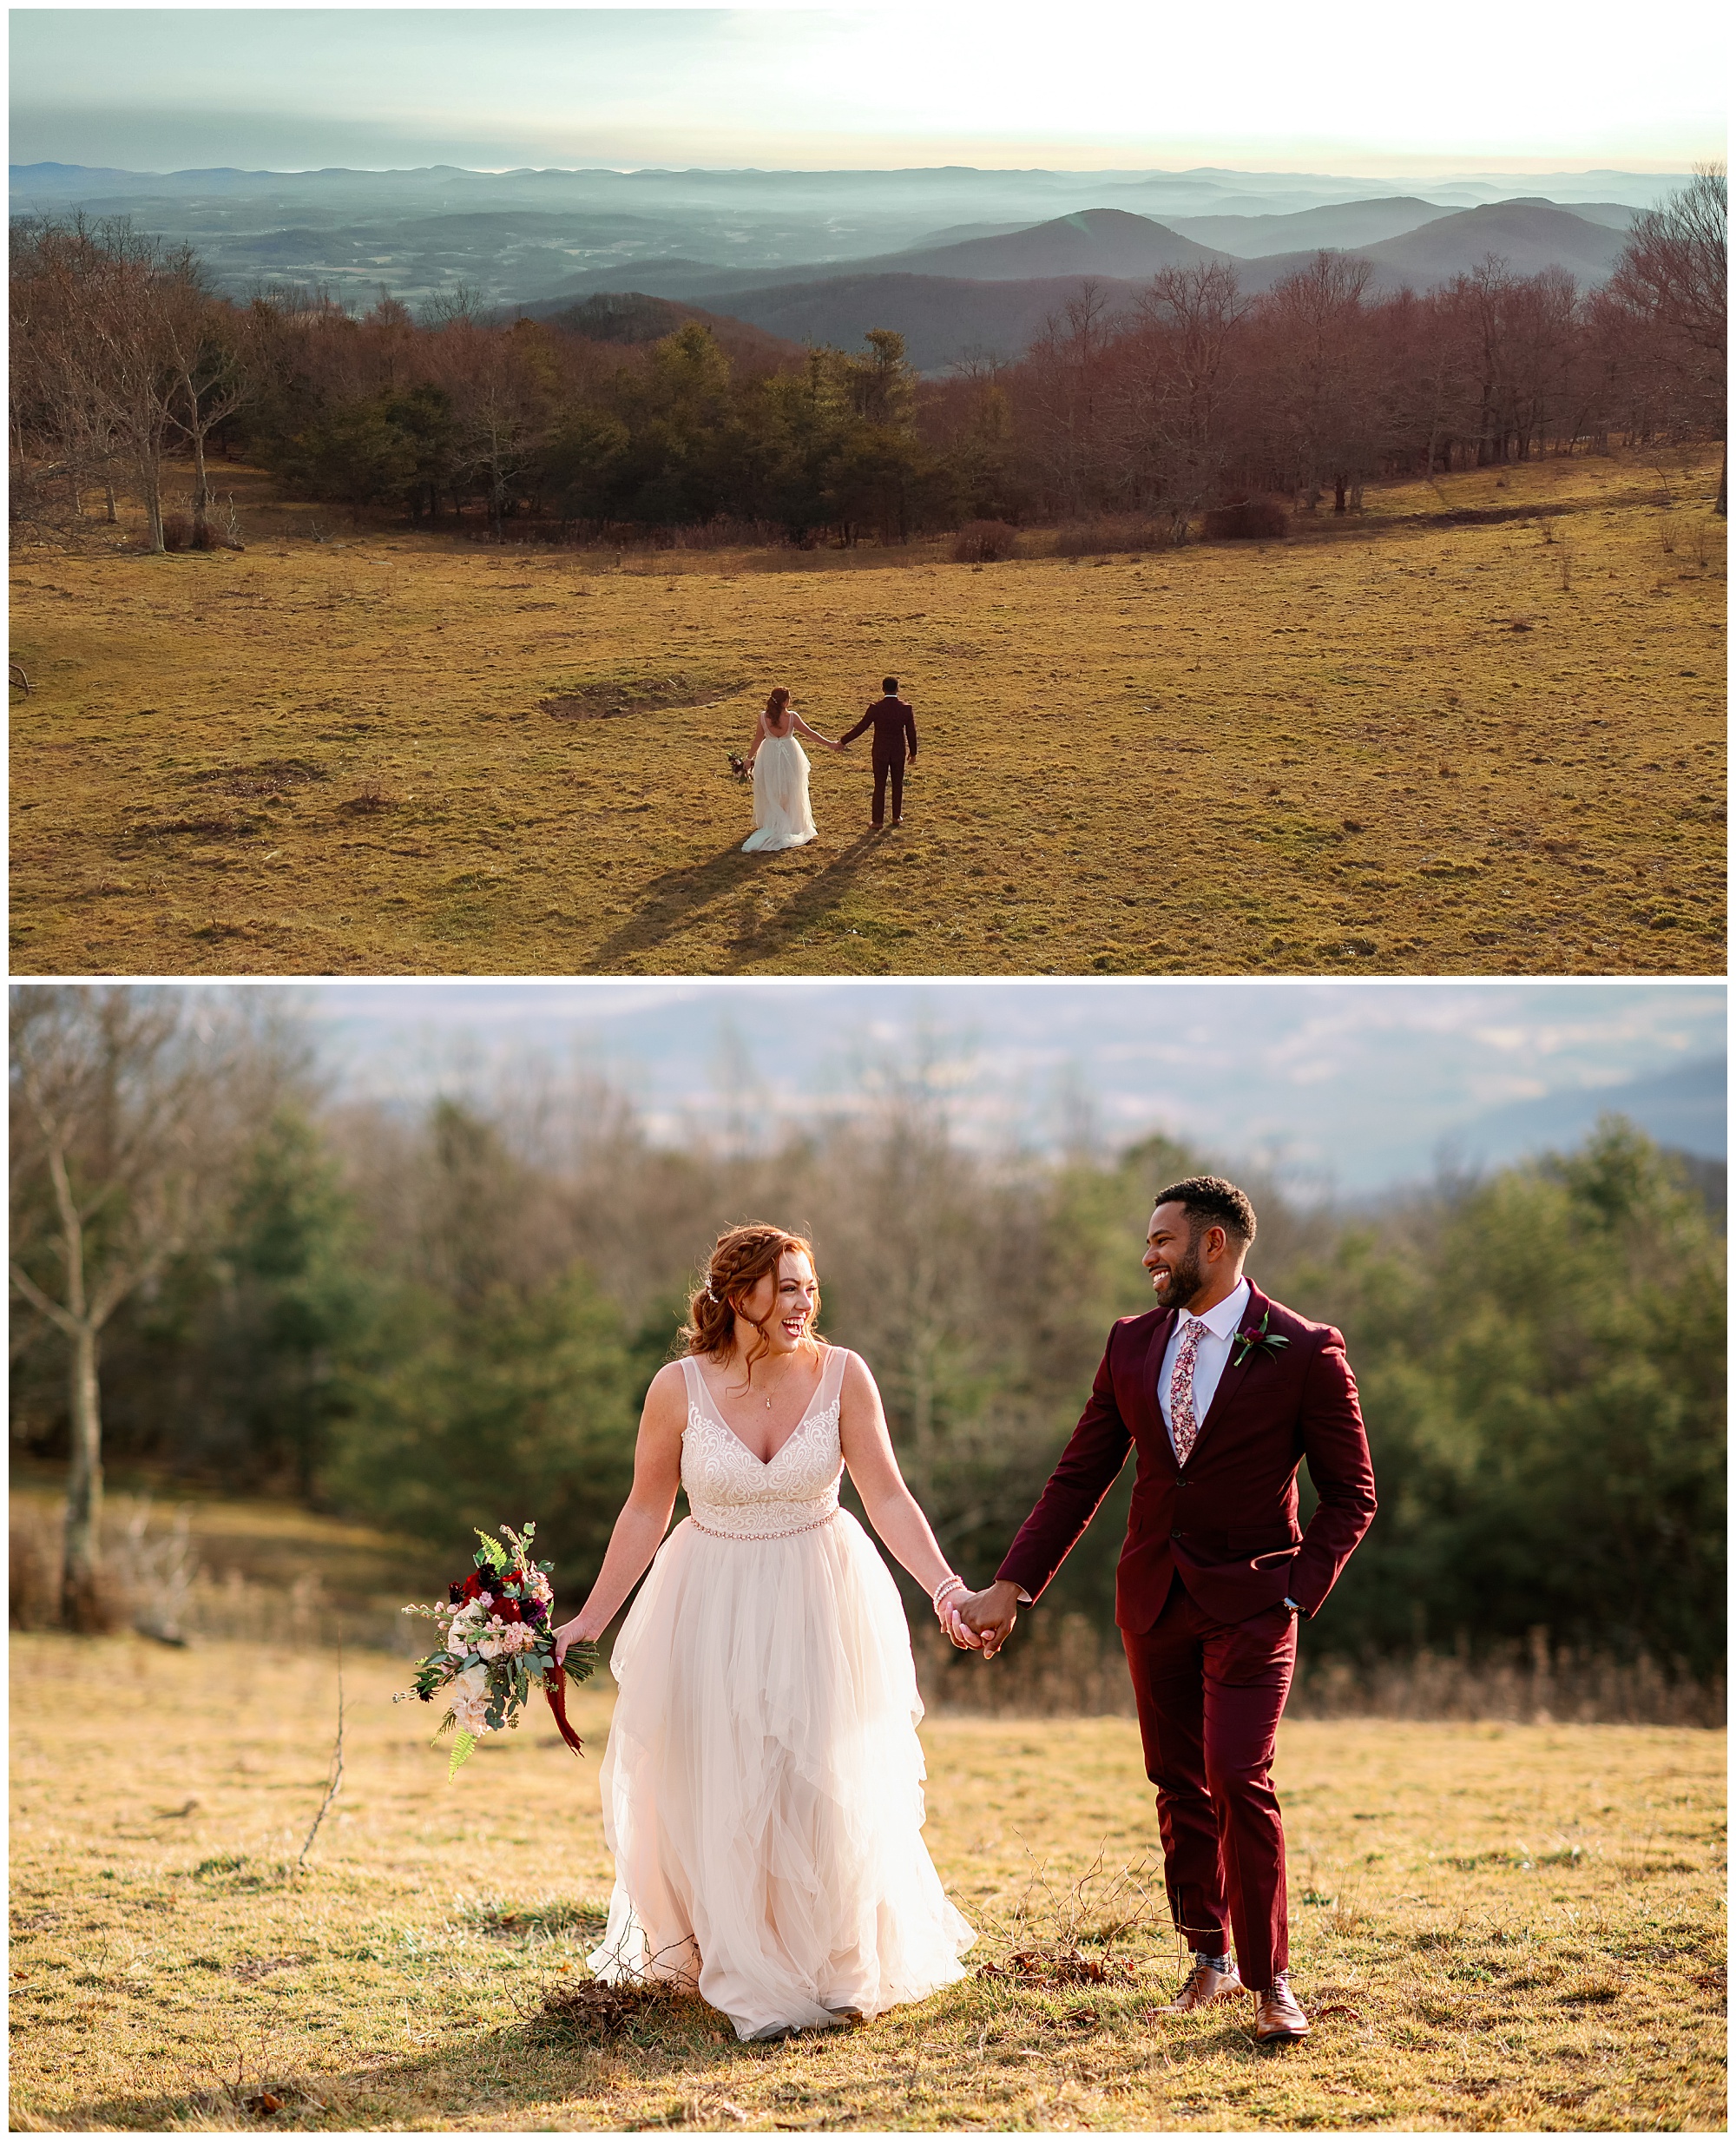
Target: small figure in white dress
column 779, row 768
column 762, row 1786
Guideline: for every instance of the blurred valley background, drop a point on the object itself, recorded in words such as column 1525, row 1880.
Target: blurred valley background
column 317, row 1282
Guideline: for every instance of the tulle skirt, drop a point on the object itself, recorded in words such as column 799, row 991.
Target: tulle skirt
column 782, row 815
column 762, row 1786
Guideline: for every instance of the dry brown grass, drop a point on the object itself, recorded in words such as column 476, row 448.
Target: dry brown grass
column 1401, row 745
column 1497, row 1926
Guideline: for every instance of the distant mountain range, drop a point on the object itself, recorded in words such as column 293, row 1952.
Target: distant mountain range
column 945, row 256
column 992, row 294
column 1687, row 1109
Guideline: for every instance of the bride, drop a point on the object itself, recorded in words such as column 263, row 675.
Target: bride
column 779, row 767
column 762, row 1786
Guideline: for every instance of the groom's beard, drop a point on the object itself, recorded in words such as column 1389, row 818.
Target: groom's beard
column 1179, row 1283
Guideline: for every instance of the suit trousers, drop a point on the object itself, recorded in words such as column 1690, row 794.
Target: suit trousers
column 895, row 766
column 1210, row 1694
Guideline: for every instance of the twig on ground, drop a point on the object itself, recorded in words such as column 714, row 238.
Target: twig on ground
column 335, row 1776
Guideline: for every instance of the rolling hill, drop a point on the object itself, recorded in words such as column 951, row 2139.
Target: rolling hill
column 1339, row 228
column 976, row 306
column 1530, row 235
column 1095, row 242
column 943, row 319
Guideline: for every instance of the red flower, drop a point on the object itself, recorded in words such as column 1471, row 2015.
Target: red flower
column 506, row 1609
column 470, row 1588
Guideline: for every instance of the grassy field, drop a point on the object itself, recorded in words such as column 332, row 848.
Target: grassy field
column 1497, row 1926
column 1405, row 744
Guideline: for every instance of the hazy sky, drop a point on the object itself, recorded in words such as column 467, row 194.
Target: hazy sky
column 1342, row 85
column 1349, row 1085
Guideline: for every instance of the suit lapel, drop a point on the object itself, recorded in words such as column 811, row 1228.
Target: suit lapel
column 1149, row 1381
column 1234, row 1369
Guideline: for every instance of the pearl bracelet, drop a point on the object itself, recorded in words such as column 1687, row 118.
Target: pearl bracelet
column 946, row 1589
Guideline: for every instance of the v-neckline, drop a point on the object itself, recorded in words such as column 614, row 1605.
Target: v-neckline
column 765, row 1462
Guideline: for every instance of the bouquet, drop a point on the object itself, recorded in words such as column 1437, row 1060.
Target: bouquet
column 498, row 1644
column 739, row 768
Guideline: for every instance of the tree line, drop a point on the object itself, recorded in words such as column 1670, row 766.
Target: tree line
column 1191, row 396
column 434, row 1316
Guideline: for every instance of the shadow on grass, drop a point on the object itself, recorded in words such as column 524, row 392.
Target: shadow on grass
column 689, row 2050
column 768, row 935
column 679, row 897
column 671, row 902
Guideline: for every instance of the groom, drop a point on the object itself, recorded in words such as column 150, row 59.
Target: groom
column 1222, row 1392
column 894, row 726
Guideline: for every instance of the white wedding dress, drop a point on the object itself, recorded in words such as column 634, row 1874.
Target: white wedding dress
column 782, row 815
column 762, row 1786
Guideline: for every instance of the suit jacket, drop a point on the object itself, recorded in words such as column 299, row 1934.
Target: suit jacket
column 894, row 725
column 1225, row 1523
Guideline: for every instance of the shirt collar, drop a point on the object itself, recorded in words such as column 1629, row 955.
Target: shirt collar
column 1222, row 1320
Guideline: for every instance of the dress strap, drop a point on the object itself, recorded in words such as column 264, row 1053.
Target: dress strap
column 832, row 1376
column 690, row 1370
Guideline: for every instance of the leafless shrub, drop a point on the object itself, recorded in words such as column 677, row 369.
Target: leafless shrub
column 33, row 1577
column 156, row 1573
column 984, row 543
column 1666, row 534
column 371, row 797
column 1248, row 520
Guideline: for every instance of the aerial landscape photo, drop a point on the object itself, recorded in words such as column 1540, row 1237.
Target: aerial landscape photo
column 1271, row 545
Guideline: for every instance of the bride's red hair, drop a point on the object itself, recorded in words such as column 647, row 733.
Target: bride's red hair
column 774, row 706
column 739, row 1260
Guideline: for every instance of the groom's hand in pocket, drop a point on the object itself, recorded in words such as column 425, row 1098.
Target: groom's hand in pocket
column 990, row 1614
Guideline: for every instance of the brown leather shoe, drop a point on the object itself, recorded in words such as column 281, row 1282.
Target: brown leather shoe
column 1278, row 2018
column 1205, row 1989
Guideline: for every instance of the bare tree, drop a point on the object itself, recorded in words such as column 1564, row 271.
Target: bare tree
column 1066, row 376
column 206, row 344
column 120, row 1098
column 1675, row 271
column 1325, row 400
column 1190, row 316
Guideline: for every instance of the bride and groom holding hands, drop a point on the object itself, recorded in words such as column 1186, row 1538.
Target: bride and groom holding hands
column 762, row 1784
column 779, row 767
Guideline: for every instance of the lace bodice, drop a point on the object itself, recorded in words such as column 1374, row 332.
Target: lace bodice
column 733, row 1494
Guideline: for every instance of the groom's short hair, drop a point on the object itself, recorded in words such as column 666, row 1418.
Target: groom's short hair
column 1209, row 1201
column 889, row 684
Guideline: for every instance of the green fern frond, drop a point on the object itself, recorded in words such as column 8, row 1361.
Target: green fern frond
column 462, row 1748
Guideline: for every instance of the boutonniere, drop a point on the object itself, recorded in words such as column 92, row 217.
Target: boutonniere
column 1268, row 1341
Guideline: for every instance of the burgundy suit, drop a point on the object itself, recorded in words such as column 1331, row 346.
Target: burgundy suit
column 1212, row 1548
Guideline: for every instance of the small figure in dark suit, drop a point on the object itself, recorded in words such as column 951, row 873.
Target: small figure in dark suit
column 894, row 725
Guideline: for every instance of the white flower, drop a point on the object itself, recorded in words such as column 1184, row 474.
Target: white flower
column 468, row 1712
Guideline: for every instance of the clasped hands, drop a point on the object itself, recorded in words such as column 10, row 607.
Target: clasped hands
column 981, row 1620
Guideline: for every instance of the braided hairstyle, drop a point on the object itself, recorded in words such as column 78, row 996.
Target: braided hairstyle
column 774, row 711
column 740, row 1259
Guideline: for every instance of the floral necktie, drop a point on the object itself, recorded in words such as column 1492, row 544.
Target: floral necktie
column 1183, row 1427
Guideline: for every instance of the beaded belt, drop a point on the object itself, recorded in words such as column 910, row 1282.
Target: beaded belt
column 711, row 1532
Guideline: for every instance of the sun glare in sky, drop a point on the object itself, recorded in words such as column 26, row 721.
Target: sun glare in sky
column 1344, row 86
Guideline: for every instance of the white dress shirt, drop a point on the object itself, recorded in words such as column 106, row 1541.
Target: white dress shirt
column 1210, row 1358
column 1209, row 1362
